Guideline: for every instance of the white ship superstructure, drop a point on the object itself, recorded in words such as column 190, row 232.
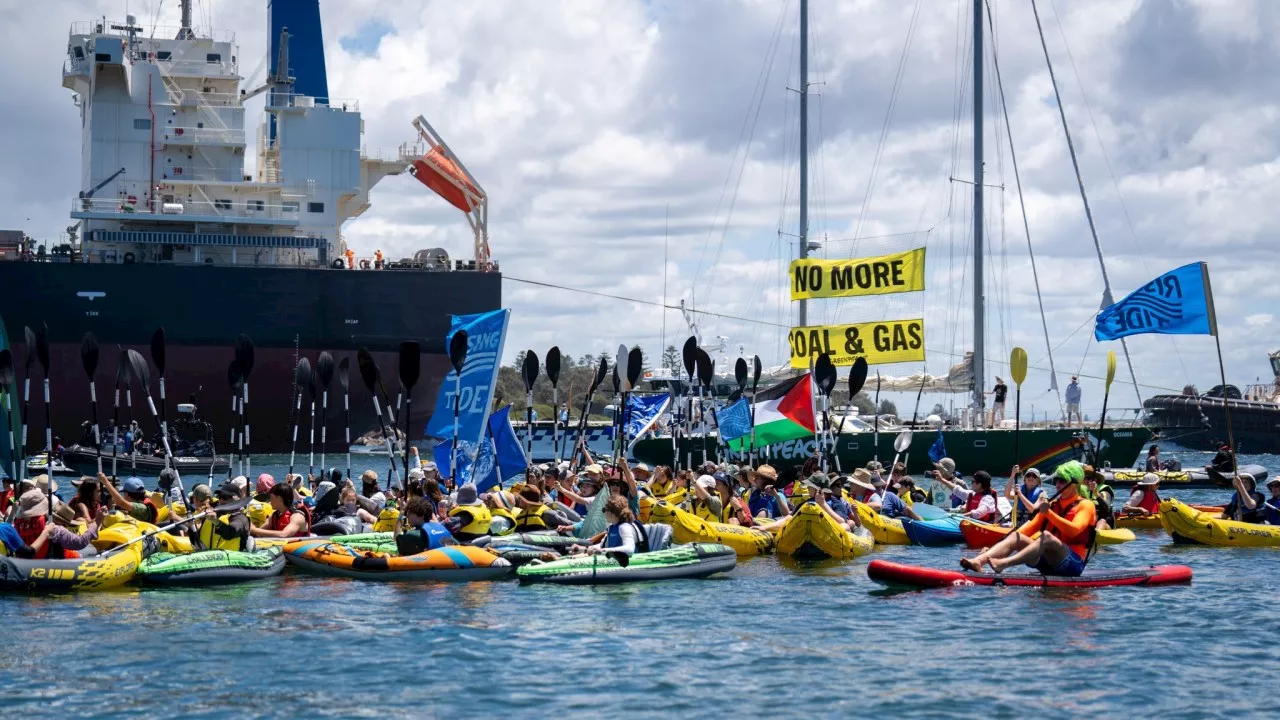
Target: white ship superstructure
column 162, row 175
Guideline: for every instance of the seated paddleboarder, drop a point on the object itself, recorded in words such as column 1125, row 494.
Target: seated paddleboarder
column 424, row 532
column 288, row 518
column 1065, row 526
column 1247, row 504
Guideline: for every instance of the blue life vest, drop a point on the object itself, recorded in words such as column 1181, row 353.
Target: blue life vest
column 436, row 535
column 614, row 538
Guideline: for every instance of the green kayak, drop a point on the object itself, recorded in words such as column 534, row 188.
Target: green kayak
column 695, row 560
column 211, row 567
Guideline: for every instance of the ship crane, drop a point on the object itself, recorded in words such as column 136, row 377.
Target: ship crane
column 88, row 194
column 442, row 171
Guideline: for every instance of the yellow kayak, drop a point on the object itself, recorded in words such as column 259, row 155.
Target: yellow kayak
column 90, row 573
column 689, row 528
column 886, row 531
column 648, row 501
column 1152, row 522
column 811, row 533
column 1185, row 524
column 118, row 530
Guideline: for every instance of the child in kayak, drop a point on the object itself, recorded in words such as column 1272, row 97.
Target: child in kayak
column 1247, row 504
column 1065, row 526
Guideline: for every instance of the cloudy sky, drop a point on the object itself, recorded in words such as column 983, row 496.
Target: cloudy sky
column 613, row 133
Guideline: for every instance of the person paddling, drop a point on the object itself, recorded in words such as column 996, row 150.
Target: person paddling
column 1247, row 504
column 979, row 502
column 1028, row 493
column 1272, row 505
column 1065, row 526
column 288, row 519
column 65, row 536
column 134, row 500
column 1101, row 494
column 469, row 519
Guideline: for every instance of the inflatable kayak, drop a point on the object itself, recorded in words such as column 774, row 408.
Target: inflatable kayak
column 696, row 560
column 118, row 530
column 689, row 528
column 885, row 530
column 1152, row 522
column 1197, row 478
column 384, row 542
column 811, row 534
column 934, row 533
column 648, row 501
column 978, row 535
column 550, row 540
column 337, row 525
column 456, row 563
column 1185, row 524
column 891, row 573
column 87, row 573
column 211, row 567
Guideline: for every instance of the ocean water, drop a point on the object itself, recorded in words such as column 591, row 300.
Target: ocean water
column 773, row 637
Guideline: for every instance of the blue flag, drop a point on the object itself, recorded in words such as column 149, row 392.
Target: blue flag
column 938, row 450
column 735, row 420
column 642, row 414
column 1178, row 302
column 499, row 457
column 486, row 333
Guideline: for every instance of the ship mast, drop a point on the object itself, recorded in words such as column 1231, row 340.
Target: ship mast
column 185, row 32
column 979, row 309
column 804, row 146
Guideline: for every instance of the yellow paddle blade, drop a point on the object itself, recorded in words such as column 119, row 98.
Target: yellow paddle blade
column 1111, row 367
column 1018, row 365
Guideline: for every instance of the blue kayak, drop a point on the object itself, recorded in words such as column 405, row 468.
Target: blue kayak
column 934, row 533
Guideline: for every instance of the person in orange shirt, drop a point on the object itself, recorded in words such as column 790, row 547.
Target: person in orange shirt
column 377, row 259
column 351, row 258
column 1065, row 529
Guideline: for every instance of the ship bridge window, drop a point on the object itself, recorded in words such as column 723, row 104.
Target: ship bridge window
column 142, row 123
column 315, row 207
column 222, row 204
column 258, row 205
column 213, row 58
column 289, row 206
column 102, row 57
column 163, row 55
column 78, row 52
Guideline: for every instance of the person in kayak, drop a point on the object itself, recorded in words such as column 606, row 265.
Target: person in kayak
column 892, row 505
column 533, row 515
column 863, row 489
column 663, row 482
column 424, row 532
column 833, row 497
column 168, row 485
column 134, row 500
column 288, row 518
column 944, row 472
column 1272, row 505
column 1247, row 504
column 1145, row 498
column 1102, row 496
column 1028, row 493
column 65, row 536
column 469, row 519
column 979, row 502
column 705, row 501
column 625, row 535
column 735, row 509
column 1066, row 527
column 374, row 498
column 88, row 498
column 764, row 499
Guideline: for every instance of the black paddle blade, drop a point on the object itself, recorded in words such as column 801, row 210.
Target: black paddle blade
column 457, row 350
column 824, row 373
column 244, row 355
column 740, row 373
column 6, row 370
column 302, row 374
column 858, row 376
column 368, row 370
column 601, row 372
column 324, row 369
column 553, row 365
column 235, row 377
column 617, row 380
column 690, row 355
column 755, row 377
column 410, row 364
column 122, row 368
column 42, row 348
column 141, row 372
column 635, row 367
column 344, row 372
column 706, row 368
column 157, row 350
column 89, row 355
column 529, row 371
column 30, row 336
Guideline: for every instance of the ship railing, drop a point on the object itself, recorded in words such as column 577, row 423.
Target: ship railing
column 439, row 264
column 198, row 135
column 102, row 26
column 229, row 209
column 282, row 100
column 224, row 69
column 189, row 97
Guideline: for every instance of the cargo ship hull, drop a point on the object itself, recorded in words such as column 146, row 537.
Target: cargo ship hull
column 287, row 312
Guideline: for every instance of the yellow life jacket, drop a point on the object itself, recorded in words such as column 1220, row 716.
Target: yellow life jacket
column 387, row 520
column 702, row 510
column 506, row 514
column 662, row 491
column 258, row 512
column 531, row 519
column 481, row 518
column 210, row 539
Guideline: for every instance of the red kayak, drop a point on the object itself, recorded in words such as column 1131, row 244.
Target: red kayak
column 891, row 573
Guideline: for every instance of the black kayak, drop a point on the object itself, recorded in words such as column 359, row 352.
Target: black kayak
column 695, row 560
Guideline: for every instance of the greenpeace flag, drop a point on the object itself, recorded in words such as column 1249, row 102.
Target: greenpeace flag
column 783, row 412
column 735, row 420
column 500, row 455
column 486, row 333
column 1179, row 302
column 643, row 412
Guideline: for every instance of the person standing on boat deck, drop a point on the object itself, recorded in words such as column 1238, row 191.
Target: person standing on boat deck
column 377, row 259
column 1153, row 459
column 1073, row 402
column 1000, row 391
column 351, row 259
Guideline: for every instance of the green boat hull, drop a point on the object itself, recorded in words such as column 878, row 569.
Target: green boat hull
column 995, row 451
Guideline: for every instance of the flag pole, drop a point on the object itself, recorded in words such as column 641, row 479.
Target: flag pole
column 1222, row 370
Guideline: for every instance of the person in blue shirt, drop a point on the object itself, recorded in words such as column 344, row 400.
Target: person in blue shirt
column 764, row 498
column 1026, row 495
column 1273, row 503
column 893, row 506
column 835, row 498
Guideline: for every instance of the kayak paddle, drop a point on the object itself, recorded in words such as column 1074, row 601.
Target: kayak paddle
column 42, row 354
column 1017, row 368
column 1106, row 395
column 553, row 375
column 457, row 358
column 244, row 356
column 324, row 368
column 301, row 377
column 529, row 374
column 6, row 388
column 89, row 359
column 410, row 371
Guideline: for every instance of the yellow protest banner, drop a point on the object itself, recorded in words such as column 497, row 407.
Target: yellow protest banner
column 890, row 341
column 903, row 272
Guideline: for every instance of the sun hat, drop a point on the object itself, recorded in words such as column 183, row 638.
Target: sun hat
column 594, row 469
column 723, row 479
column 42, row 483
column 1149, row 479
column 1032, row 471
column 767, row 472
column 467, row 495
column 818, row 481
column 946, row 466
column 32, row 503
column 706, row 482
column 64, row 515
column 240, row 482
column 264, row 484
column 862, row 479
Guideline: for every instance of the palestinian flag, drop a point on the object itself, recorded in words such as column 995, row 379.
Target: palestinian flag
column 783, row 412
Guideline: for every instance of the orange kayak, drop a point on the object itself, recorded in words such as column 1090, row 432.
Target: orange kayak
column 457, row 562
column 978, row 535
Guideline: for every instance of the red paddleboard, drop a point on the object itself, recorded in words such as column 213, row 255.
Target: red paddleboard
column 891, row 573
